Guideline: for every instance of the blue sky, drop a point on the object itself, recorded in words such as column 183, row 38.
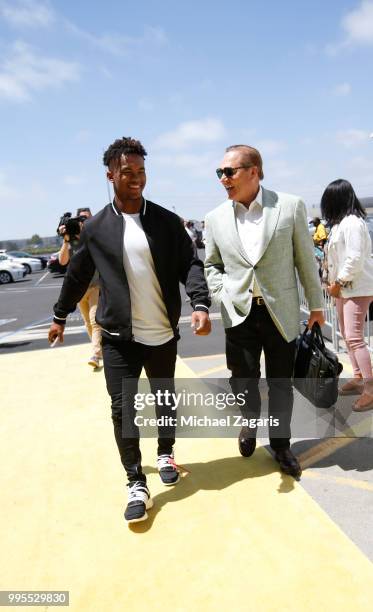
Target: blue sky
column 187, row 79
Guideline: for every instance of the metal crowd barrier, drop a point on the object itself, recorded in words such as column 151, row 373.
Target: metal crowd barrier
column 331, row 320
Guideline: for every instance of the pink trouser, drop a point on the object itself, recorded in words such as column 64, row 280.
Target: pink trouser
column 351, row 315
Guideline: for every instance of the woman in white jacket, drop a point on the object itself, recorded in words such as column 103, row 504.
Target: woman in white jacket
column 350, row 281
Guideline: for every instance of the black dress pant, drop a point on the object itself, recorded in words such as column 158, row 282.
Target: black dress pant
column 244, row 344
column 123, row 362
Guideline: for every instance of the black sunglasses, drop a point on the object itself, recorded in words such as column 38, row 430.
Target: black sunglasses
column 228, row 171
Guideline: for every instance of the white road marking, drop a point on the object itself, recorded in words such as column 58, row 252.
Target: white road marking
column 206, row 373
column 38, row 334
column 47, row 287
column 40, row 279
column 46, row 325
column 46, row 322
column 17, row 290
column 5, row 321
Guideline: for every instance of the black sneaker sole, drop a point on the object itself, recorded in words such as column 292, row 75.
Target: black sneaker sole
column 170, row 484
column 149, row 504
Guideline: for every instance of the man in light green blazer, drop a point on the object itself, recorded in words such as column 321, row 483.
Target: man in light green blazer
column 257, row 242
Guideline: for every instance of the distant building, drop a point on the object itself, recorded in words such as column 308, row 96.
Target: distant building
column 368, row 205
column 22, row 243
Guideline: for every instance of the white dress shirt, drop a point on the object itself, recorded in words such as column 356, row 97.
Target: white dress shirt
column 249, row 222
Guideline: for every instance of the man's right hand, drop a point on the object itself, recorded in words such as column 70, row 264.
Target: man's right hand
column 55, row 331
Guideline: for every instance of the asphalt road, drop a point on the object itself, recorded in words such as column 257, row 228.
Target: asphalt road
column 26, row 313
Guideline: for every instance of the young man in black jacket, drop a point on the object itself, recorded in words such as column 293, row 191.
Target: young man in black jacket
column 141, row 252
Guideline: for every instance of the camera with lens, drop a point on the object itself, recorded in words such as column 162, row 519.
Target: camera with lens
column 72, row 225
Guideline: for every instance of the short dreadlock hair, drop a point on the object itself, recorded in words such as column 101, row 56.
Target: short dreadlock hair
column 123, row 146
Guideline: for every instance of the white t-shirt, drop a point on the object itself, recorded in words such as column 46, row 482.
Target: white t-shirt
column 150, row 323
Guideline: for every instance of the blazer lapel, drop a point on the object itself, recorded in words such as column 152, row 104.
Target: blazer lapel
column 271, row 211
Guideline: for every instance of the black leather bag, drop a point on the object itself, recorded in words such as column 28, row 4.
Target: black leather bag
column 316, row 369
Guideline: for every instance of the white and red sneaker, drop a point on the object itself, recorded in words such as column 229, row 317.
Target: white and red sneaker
column 168, row 469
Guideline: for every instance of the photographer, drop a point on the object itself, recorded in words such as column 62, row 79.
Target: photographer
column 88, row 303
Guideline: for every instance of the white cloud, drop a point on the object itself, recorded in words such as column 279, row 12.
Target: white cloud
column 191, row 132
column 10, row 195
column 25, row 72
column 280, row 170
column 117, row 44
column 332, row 49
column 26, row 13
column 270, row 147
column 198, row 165
column 343, row 89
column 351, row 138
column 364, row 164
column 358, row 24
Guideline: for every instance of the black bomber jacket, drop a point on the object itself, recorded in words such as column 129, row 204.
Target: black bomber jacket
column 101, row 247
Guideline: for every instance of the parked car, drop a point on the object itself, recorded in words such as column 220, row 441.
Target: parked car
column 54, row 265
column 22, row 254
column 30, row 263
column 10, row 270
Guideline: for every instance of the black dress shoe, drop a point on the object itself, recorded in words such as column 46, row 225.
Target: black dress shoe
column 288, row 462
column 246, row 445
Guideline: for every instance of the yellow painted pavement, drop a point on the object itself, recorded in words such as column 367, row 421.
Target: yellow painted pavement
column 234, row 534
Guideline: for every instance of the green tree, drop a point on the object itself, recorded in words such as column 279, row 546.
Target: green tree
column 10, row 246
column 35, row 239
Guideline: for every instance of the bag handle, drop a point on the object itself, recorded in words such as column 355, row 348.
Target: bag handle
column 314, row 333
column 317, row 332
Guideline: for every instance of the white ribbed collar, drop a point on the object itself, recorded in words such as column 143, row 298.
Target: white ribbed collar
column 143, row 210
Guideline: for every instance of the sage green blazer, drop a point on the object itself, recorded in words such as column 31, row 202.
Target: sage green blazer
column 286, row 248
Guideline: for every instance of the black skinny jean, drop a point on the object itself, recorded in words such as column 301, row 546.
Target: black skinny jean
column 244, row 344
column 123, row 362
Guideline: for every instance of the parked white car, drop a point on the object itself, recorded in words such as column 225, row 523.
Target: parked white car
column 10, row 271
column 30, row 264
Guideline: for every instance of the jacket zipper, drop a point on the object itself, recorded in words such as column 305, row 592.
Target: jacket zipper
column 111, row 333
column 129, row 293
